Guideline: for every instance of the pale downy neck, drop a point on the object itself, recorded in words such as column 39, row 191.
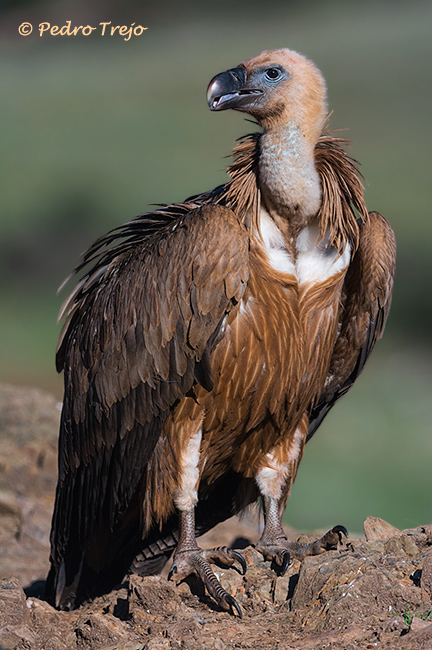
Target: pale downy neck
column 289, row 182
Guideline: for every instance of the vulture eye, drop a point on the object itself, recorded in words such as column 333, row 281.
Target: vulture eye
column 273, row 73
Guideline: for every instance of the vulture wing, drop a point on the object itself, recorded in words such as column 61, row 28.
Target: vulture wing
column 366, row 304
column 139, row 330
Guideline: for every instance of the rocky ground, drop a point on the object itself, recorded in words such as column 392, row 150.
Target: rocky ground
column 374, row 592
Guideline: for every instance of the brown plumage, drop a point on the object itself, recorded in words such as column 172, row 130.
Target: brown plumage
column 206, row 342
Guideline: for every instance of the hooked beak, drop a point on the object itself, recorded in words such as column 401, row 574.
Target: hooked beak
column 229, row 90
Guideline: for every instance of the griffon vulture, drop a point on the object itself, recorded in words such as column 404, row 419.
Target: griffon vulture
column 206, row 341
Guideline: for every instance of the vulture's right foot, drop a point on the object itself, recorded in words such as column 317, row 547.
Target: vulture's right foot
column 197, row 562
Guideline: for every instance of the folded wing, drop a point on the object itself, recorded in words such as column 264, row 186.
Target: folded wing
column 139, row 330
column 365, row 307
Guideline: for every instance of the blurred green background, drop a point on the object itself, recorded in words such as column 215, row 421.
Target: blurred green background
column 94, row 129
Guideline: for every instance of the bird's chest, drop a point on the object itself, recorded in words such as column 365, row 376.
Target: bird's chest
column 316, row 271
column 277, row 343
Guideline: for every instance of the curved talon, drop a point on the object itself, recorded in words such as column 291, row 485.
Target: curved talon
column 225, row 556
column 232, row 601
column 196, row 562
column 339, row 530
column 329, row 541
column 285, row 563
column 172, row 571
column 240, row 559
column 279, row 561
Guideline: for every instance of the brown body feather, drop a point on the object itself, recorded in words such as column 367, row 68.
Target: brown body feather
column 181, row 325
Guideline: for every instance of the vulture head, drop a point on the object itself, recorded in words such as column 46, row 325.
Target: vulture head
column 276, row 87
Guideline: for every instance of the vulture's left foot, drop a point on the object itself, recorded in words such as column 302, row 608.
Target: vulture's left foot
column 333, row 537
column 197, row 562
column 279, row 550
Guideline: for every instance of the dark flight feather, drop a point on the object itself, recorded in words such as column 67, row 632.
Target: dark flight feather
column 112, row 412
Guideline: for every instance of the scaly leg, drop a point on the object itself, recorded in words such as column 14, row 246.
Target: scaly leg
column 274, row 545
column 274, row 478
column 188, row 557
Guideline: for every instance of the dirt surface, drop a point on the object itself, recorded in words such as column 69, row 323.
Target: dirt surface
column 374, row 592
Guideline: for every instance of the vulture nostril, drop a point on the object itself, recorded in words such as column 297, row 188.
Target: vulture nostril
column 238, row 74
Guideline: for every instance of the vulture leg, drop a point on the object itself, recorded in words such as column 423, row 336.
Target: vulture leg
column 189, row 559
column 275, row 478
column 274, row 545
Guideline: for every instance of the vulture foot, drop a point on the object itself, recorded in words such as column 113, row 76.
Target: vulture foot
column 197, row 562
column 277, row 553
column 279, row 550
column 333, row 537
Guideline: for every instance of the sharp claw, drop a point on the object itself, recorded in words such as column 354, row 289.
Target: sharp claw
column 172, row 571
column 240, row 559
column 280, row 561
column 285, row 563
column 340, row 530
column 195, row 562
column 232, row 601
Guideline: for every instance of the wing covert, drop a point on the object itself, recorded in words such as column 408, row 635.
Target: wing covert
column 139, row 330
column 366, row 303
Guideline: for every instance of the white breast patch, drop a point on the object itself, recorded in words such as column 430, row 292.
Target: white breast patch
column 317, row 261
column 274, row 244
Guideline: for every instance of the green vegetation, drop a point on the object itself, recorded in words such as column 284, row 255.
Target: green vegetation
column 96, row 129
column 408, row 616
